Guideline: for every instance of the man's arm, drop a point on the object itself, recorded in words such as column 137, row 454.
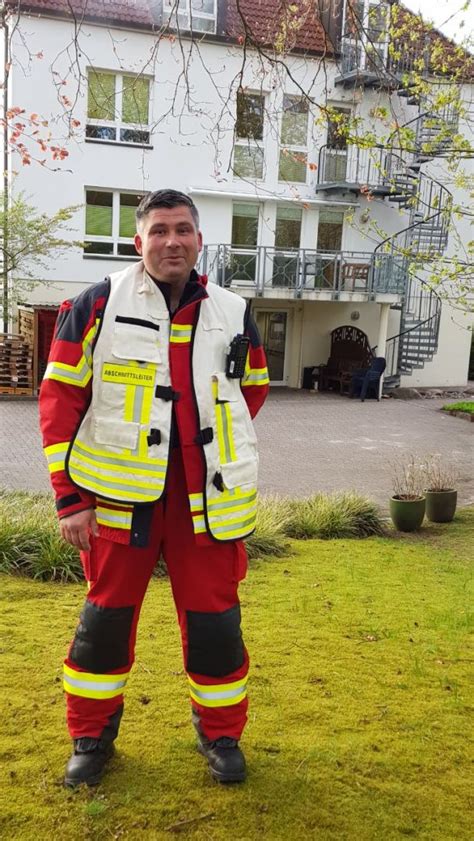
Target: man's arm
column 255, row 382
column 64, row 397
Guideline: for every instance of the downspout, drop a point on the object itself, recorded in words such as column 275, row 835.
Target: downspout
column 6, row 75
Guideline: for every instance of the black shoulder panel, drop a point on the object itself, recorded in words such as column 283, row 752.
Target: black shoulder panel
column 72, row 322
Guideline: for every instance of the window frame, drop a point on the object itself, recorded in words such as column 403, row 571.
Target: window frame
column 118, row 124
column 171, row 8
column 114, row 239
column 250, row 143
column 291, row 148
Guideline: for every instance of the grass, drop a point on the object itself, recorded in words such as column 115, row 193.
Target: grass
column 30, row 543
column 462, row 406
column 360, row 704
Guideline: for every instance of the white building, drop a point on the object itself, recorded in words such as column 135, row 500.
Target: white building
column 148, row 104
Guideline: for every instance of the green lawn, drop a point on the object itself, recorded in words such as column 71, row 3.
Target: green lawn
column 462, row 406
column 360, row 703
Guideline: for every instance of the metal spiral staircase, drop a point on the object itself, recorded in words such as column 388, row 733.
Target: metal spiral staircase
column 401, row 181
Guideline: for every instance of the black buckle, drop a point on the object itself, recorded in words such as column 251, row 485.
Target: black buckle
column 218, row 482
column 205, row 436
column 166, row 393
column 154, row 437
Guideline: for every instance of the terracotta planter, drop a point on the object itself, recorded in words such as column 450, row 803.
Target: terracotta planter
column 441, row 505
column 407, row 514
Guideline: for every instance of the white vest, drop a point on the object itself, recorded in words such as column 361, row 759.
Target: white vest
column 112, row 454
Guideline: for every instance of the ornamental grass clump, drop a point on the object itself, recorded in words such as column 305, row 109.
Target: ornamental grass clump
column 30, row 542
column 438, row 475
column 338, row 515
column 269, row 537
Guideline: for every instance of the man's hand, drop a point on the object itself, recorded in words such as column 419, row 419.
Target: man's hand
column 77, row 528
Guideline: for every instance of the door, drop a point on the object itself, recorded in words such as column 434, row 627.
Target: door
column 273, row 329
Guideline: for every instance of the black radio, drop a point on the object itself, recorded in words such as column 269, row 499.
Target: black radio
column 237, row 357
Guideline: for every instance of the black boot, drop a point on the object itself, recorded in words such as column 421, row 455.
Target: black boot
column 87, row 763
column 226, row 760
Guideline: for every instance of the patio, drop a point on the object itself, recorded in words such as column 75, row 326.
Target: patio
column 309, row 441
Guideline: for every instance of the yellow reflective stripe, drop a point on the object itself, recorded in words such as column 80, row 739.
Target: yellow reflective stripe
column 80, row 374
column 199, row 524
column 215, row 519
column 181, row 333
column 145, row 420
column 114, row 519
column 106, row 489
column 57, row 448
column 229, row 509
column 116, row 458
column 82, row 461
column 231, row 496
column 221, row 695
column 225, row 434
column 196, row 502
column 55, row 456
column 88, row 685
column 104, row 470
column 256, row 376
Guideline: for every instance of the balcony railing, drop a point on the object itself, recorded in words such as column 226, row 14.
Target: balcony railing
column 375, row 168
column 265, row 270
column 397, row 59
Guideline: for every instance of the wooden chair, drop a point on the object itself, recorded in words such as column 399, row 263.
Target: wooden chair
column 355, row 276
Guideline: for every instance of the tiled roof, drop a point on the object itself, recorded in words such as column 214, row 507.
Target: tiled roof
column 286, row 23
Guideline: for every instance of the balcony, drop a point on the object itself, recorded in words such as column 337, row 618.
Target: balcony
column 303, row 273
column 376, row 170
column 375, row 64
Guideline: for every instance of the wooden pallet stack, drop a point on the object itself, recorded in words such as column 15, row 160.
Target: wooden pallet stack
column 16, row 365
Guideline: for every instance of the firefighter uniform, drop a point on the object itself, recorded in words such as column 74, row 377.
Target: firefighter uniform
column 141, row 422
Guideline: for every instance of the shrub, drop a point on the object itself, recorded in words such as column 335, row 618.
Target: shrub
column 30, row 542
column 344, row 514
column 269, row 536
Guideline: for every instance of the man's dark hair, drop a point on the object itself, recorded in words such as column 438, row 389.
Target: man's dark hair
column 165, row 198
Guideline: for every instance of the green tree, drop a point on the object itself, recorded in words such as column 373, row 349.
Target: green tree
column 28, row 241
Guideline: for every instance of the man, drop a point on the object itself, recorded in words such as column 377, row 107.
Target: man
column 146, row 405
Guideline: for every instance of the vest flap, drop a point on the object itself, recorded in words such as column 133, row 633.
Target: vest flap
column 238, row 473
column 133, row 341
column 121, row 433
column 227, row 389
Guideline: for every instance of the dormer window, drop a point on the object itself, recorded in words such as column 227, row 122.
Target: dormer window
column 190, row 15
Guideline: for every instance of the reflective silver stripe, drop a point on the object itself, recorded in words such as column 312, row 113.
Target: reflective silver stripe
column 239, row 525
column 100, row 471
column 106, row 516
column 97, row 686
column 196, row 502
column 124, row 486
column 255, row 378
column 55, row 457
column 233, row 503
column 220, row 695
column 78, row 374
column 126, row 462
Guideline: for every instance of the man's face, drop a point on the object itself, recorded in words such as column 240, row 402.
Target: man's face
column 169, row 243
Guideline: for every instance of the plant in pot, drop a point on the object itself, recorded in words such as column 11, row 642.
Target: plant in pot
column 407, row 505
column 440, row 489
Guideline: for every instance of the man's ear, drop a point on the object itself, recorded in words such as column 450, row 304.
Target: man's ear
column 138, row 243
column 200, row 240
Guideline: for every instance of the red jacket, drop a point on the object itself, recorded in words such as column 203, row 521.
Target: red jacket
column 66, row 392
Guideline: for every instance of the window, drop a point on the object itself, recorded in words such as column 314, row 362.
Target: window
column 194, row 15
column 243, row 264
column 118, row 108
column 294, row 140
column 330, row 228
column 110, row 222
column 288, row 227
column 248, row 151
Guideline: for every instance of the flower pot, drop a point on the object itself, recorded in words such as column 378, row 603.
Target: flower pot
column 441, row 505
column 407, row 514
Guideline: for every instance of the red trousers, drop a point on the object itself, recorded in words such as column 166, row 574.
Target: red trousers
column 204, row 582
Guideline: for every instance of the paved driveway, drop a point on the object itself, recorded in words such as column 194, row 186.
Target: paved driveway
column 308, row 442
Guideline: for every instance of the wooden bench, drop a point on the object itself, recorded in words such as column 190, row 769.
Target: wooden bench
column 350, row 351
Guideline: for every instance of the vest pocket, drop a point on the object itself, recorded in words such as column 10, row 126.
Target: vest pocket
column 135, row 341
column 116, row 434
